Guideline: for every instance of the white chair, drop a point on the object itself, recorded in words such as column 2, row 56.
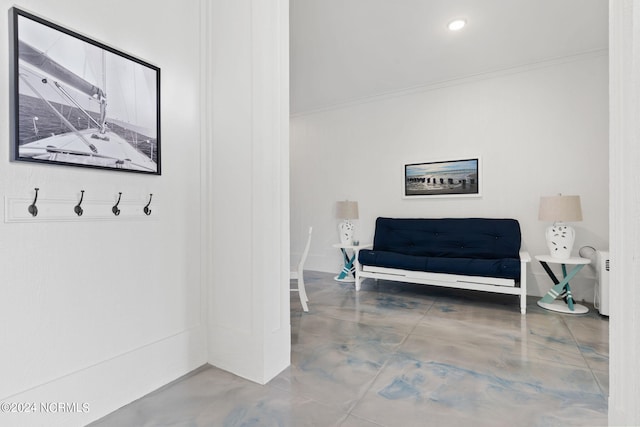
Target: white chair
column 299, row 274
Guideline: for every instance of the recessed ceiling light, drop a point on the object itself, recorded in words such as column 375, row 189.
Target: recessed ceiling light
column 457, row 24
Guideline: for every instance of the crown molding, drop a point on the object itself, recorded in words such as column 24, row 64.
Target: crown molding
column 461, row 80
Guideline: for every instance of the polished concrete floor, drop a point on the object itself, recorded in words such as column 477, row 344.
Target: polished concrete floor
column 405, row 355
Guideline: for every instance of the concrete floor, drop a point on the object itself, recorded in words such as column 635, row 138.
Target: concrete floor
column 405, row 355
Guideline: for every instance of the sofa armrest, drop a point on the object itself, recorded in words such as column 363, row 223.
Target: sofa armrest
column 524, row 259
column 358, row 266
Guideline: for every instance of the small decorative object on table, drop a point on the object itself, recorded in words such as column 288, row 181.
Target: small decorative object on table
column 560, row 237
column 347, row 211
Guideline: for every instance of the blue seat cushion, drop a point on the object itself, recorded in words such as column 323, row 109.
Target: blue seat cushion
column 506, row 268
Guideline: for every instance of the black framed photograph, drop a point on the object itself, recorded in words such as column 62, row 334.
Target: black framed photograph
column 78, row 102
column 447, row 178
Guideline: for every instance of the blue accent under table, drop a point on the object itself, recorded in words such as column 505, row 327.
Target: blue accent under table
column 348, row 273
column 562, row 289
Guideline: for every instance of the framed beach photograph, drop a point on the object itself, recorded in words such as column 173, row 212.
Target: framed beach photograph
column 448, row 178
column 78, row 102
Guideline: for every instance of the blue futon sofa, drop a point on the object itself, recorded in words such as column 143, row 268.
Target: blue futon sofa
column 467, row 253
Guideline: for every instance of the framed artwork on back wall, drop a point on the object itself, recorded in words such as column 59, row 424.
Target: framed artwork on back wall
column 443, row 178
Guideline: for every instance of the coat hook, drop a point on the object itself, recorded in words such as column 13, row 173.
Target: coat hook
column 33, row 209
column 78, row 209
column 115, row 209
column 146, row 209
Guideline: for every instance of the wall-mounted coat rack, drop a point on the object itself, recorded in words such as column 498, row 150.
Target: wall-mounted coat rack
column 115, row 209
column 78, row 208
column 33, row 209
column 146, row 209
column 42, row 208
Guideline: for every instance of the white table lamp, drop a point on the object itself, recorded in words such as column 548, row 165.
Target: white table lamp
column 557, row 209
column 347, row 211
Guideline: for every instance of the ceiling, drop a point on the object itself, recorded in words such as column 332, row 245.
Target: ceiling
column 345, row 50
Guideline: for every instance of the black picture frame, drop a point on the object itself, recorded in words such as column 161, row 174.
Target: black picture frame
column 443, row 178
column 78, row 102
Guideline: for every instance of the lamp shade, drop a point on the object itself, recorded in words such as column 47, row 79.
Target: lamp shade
column 347, row 210
column 560, row 208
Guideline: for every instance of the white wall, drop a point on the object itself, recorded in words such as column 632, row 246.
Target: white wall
column 539, row 130
column 104, row 312
column 249, row 331
column 624, row 329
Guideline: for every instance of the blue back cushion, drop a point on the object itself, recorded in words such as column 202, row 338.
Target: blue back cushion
column 480, row 238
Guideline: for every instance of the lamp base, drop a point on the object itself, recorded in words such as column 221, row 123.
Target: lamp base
column 560, row 238
column 346, row 233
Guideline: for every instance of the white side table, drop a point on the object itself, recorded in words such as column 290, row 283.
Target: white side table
column 348, row 273
column 562, row 288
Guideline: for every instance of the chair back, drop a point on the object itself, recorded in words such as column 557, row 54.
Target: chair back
column 303, row 258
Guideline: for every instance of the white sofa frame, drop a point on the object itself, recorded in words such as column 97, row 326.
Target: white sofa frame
column 476, row 283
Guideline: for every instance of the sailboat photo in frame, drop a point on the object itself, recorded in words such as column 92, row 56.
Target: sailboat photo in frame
column 78, row 102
